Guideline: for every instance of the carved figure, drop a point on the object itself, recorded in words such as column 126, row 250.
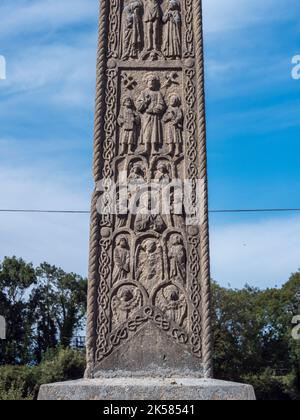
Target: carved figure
column 152, row 106
column 150, row 264
column 152, row 15
column 172, row 34
column 127, row 301
column 173, row 304
column 177, row 260
column 162, row 174
column 121, row 260
column 146, row 218
column 137, row 174
column 177, row 209
column 122, row 208
column 173, row 119
column 131, row 33
column 129, row 121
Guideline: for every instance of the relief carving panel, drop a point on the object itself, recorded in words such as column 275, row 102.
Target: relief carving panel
column 149, row 265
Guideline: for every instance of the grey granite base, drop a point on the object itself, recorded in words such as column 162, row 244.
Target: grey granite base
column 179, row 389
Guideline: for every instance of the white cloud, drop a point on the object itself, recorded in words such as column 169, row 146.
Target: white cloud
column 260, row 253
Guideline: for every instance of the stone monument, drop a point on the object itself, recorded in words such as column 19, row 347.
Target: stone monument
column 149, row 323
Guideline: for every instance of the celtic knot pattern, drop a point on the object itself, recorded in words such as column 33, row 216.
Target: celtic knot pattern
column 103, row 300
column 114, row 31
column 106, row 219
column 194, row 241
column 132, row 326
column 189, row 35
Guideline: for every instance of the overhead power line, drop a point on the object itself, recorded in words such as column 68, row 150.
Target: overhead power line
column 274, row 210
column 254, row 210
column 44, row 211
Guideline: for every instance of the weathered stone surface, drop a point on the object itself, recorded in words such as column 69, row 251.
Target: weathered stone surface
column 149, row 280
column 147, row 389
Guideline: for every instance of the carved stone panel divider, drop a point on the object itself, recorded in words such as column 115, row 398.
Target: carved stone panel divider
column 149, row 279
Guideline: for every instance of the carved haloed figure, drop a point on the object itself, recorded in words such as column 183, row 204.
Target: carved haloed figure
column 152, row 106
column 172, row 34
column 174, row 304
column 125, row 303
column 174, row 125
column 129, row 121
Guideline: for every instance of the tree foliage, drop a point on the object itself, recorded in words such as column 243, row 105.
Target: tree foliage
column 253, row 338
column 43, row 308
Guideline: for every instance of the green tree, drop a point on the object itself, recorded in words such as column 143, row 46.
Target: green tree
column 16, row 280
column 253, row 340
column 59, row 305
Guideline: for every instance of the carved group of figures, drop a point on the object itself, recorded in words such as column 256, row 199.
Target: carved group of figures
column 154, row 266
column 149, row 31
column 150, row 201
column 141, row 124
column 170, row 300
column 150, row 262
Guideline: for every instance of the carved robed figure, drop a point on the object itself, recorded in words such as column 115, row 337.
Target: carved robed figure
column 131, row 33
column 151, row 105
column 172, row 32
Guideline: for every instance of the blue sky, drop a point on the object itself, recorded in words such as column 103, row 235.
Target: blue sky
column 253, row 115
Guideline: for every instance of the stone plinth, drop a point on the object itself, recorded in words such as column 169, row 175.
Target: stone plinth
column 147, row 388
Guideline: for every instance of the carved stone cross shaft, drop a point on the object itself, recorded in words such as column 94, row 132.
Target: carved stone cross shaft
column 149, row 278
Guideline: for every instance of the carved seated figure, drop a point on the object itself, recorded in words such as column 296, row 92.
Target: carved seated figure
column 173, row 304
column 127, row 301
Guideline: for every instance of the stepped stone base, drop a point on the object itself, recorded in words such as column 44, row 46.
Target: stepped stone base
column 147, row 388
